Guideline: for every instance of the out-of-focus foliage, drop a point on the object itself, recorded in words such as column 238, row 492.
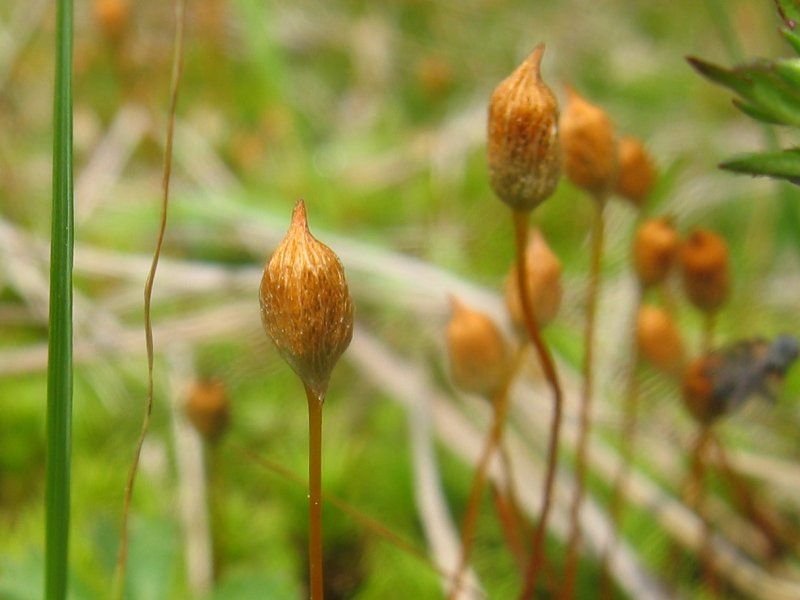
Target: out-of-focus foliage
column 769, row 91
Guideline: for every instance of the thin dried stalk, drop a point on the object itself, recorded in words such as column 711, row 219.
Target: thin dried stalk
column 493, row 441
column 629, row 420
column 549, row 368
column 177, row 71
column 584, row 431
column 315, row 555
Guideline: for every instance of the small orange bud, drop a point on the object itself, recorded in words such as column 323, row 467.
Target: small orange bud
column 637, row 172
column 305, row 304
column 659, row 339
column 590, row 146
column 478, row 353
column 523, row 149
column 706, row 278
column 207, row 408
column 544, row 283
column 699, row 395
column 112, row 16
column 655, row 249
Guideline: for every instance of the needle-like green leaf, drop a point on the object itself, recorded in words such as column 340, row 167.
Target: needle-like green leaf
column 59, row 365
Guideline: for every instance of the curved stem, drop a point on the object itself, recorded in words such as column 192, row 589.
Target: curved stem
column 177, row 71
column 549, row 369
column 315, row 557
column 584, row 425
column 369, row 523
column 515, row 524
column 696, row 499
column 709, row 322
column 629, row 419
column 778, row 533
column 493, row 440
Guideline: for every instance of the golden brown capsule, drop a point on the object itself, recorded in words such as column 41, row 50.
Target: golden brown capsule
column 112, row 17
column 590, row 146
column 207, row 408
column 659, row 339
column 306, row 307
column 655, row 249
column 544, row 283
column 706, row 276
column 478, row 353
column 523, row 147
column 698, row 390
column 637, row 171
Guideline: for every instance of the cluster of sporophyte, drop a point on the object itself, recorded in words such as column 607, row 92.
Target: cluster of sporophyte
column 308, row 313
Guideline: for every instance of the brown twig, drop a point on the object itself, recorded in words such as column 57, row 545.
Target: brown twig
column 584, row 429
column 549, row 368
column 177, row 72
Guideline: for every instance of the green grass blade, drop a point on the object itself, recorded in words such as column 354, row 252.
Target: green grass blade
column 59, row 364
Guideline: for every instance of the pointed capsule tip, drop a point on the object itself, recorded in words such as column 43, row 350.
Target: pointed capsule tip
column 455, row 304
column 299, row 218
column 532, row 65
column 572, row 93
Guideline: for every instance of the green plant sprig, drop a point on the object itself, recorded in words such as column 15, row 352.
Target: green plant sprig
column 768, row 91
column 59, row 363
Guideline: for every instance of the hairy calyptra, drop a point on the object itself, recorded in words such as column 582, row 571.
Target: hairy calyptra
column 655, row 249
column 706, row 274
column 590, row 146
column 543, row 271
column 306, row 307
column 478, row 353
column 523, row 148
column 659, row 339
column 637, row 171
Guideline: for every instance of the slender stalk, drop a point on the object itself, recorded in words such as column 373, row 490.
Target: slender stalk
column 177, row 72
column 315, row 557
column 509, row 525
column 493, row 440
column 59, row 362
column 367, row 522
column 216, row 492
column 584, row 426
column 507, row 506
column 696, row 491
column 629, row 419
column 778, row 534
column 549, row 369
column 709, row 324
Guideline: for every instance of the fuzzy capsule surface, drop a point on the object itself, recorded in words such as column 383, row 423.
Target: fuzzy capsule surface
column 306, row 308
column 523, row 148
column 207, row 407
column 659, row 339
column 706, row 275
column 590, row 146
column 655, row 250
column 479, row 357
column 637, row 171
column 544, row 283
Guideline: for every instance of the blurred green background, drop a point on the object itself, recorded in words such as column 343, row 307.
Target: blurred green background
column 375, row 114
